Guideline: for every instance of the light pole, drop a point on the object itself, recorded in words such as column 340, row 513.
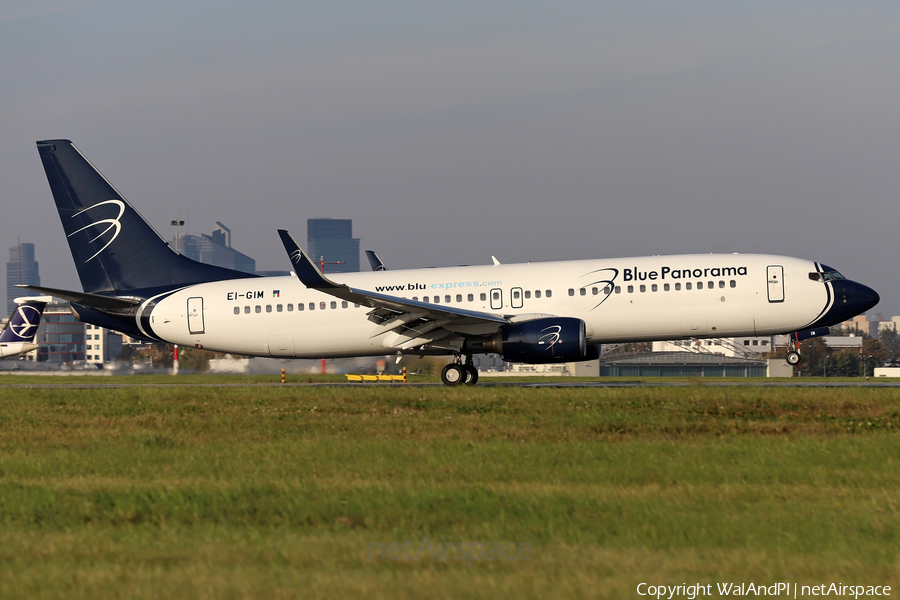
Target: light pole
column 177, row 224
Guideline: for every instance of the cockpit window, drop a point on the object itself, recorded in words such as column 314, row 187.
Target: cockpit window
column 829, row 275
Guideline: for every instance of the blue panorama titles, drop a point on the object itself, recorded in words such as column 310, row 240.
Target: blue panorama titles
column 636, row 274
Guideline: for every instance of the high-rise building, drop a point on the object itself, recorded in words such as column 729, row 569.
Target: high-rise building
column 21, row 269
column 214, row 249
column 332, row 241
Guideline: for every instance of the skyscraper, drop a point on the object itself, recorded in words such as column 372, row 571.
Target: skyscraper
column 332, row 240
column 21, row 269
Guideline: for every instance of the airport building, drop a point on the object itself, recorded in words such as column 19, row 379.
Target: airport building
column 61, row 336
column 21, row 269
column 100, row 345
column 330, row 242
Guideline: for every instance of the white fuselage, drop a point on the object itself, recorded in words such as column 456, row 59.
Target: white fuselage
column 620, row 300
column 16, row 348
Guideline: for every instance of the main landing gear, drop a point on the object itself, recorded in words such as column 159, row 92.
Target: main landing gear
column 460, row 372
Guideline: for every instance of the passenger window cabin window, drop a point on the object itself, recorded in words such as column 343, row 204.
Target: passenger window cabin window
column 279, row 307
column 459, row 297
column 677, row 287
column 527, row 294
column 665, row 287
column 447, row 298
column 537, row 293
column 571, row 292
column 334, row 304
column 687, row 285
column 607, row 290
column 290, row 307
column 733, row 283
column 582, row 291
column 630, row 289
column 356, row 306
column 654, row 288
column 246, row 310
column 699, row 285
column 345, row 304
column 425, row 299
column 312, row 306
column 483, row 296
column 415, row 298
column 643, row 288
column 618, row 289
column 237, row 310
column 594, row 291
column 258, row 308
column 721, row 284
column 321, row 306
column 437, row 299
column 471, row 297
column 710, row 285
column 268, row 308
column 549, row 293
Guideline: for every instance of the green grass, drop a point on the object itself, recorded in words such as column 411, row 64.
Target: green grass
column 281, row 492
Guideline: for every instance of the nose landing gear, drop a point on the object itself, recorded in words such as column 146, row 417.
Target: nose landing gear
column 793, row 357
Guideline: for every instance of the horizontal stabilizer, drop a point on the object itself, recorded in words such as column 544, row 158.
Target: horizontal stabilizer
column 91, row 300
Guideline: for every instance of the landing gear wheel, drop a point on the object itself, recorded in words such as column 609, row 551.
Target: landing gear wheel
column 793, row 358
column 453, row 374
column 471, row 375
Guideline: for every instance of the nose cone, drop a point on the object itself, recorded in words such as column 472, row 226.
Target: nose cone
column 850, row 299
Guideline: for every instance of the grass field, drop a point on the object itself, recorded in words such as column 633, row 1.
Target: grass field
column 269, row 492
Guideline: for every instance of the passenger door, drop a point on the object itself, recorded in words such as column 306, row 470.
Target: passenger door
column 195, row 315
column 775, row 283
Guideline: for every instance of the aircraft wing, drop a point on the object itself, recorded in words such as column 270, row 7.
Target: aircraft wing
column 408, row 323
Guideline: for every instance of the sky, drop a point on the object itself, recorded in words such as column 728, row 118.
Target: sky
column 450, row 132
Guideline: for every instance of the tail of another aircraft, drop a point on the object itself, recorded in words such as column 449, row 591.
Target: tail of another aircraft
column 114, row 248
column 24, row 321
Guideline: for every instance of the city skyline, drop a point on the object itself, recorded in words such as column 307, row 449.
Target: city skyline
column 453, row 133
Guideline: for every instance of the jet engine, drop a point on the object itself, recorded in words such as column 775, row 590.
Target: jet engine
column 542, row 341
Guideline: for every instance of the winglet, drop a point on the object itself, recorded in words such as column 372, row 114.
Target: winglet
column 375, row 262
column 306, row 270
column 496, row 262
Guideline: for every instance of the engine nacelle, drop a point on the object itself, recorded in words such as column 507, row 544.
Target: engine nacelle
column 542, row 341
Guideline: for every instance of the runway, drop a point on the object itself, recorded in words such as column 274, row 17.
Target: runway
column 529, row 384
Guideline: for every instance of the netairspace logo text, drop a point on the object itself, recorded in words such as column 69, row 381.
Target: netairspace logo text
column 790, row 590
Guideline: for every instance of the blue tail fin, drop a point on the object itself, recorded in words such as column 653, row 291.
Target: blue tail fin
column 24, row 321
column 114, row 248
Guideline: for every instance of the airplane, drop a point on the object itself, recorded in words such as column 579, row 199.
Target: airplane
column 551, row 312
column 18, row 336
